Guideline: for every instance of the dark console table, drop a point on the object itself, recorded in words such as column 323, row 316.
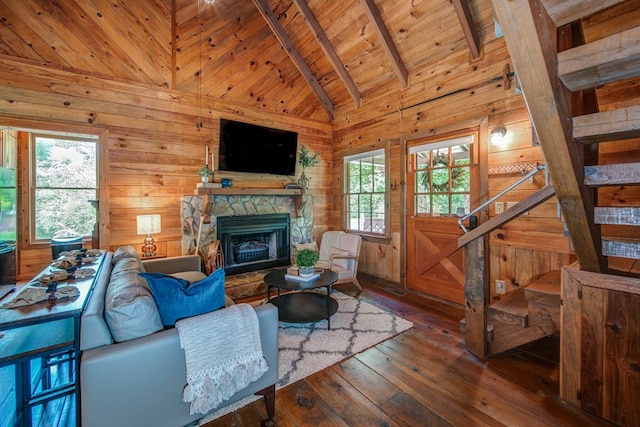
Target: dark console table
column 45, row 330
column 302, row 306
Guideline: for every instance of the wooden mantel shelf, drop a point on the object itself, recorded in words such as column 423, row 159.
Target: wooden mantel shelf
column 247, row 191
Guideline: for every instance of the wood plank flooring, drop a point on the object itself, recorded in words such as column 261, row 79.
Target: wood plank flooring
column 424, row 377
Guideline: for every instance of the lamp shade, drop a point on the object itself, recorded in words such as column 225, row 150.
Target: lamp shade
column 149, row 224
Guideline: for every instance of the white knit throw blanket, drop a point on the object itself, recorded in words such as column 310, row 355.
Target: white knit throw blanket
column 223, row 355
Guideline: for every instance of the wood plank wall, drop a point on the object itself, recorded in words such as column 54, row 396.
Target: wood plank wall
column 152, row 144
column 456, row 96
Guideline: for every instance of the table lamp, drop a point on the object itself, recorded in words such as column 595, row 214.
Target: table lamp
column 148, row 224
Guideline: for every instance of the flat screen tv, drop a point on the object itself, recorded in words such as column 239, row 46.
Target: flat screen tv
column 256, row 149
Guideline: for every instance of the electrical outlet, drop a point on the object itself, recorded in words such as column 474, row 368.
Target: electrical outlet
column 499, row 207
column 511, row 204
column 501, row 287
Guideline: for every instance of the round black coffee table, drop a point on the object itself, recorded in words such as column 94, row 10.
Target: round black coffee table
column 301, row 306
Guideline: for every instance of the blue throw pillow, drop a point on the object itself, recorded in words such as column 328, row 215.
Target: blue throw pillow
column 177, row 299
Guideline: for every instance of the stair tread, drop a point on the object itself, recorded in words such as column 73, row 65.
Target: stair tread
column 612, row 58
column 564, row 12
column 545, row 289
column 622, row 123
column 621, row 247
column 512, row 309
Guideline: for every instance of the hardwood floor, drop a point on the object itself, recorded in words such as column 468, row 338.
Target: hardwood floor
column 424, row 376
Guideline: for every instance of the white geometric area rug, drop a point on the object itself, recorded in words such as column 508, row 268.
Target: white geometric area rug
column 306, row 348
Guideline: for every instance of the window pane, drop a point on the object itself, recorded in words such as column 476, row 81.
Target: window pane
column 441, row 205
column 377, row 203
column 64, row 210
column 423, row 159
column 441, row 158
column 366, row 193
column 423, row 204
column 440, row 179
column 422, row 182
column 65, row 163
column 367, row 182
column 460, row 180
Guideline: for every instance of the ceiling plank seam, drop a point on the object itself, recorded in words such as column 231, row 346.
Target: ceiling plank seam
column 293, row 53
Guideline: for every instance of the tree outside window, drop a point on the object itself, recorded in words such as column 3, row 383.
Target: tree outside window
column 365, row 192
column 64, row 180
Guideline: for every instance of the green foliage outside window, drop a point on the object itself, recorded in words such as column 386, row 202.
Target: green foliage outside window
column 65, row 181
column 366, row 196
column 443, row 181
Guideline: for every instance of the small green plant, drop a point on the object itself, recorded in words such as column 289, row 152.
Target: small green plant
column 205, row 171
column 306, row 258
column 307, row 160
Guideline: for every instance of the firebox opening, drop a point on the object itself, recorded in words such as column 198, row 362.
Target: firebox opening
column 254, row 242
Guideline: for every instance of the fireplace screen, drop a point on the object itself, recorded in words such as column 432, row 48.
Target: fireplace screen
column 254, row 242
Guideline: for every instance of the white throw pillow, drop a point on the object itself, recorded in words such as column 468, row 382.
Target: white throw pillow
column 339, row 262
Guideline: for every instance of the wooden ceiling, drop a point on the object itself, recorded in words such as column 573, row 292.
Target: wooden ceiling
column 261, row 53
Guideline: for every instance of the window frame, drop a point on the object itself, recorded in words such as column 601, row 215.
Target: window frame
column 384, row 149
column 32, row 135
column 446, row 142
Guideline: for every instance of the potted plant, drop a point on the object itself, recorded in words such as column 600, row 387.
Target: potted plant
column 306, row 160
column 205, row 173
column 305, row 260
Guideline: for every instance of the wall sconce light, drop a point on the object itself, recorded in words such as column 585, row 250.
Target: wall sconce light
column 497, row 136
column 148, row 224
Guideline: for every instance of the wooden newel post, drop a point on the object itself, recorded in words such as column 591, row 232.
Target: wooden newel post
column 476, row 297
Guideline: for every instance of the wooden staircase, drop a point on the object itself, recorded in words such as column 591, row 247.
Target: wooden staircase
column 561, row 76
column 558, row 74
column 526, row 315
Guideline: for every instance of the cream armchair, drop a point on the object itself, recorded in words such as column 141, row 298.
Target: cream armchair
column 340, row 251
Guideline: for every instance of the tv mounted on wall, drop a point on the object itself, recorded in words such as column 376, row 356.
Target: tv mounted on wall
column 256, row 149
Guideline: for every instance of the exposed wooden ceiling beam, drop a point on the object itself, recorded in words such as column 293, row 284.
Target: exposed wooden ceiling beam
column 531, row 39
column 468, row 27
column 387, row 43
column 293, row 53
column 328, row 50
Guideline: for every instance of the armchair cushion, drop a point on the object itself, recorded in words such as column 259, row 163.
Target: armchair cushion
column 177, row 299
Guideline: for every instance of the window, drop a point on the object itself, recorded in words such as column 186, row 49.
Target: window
column 64, row 181
column 442, row 177
column 365, row 192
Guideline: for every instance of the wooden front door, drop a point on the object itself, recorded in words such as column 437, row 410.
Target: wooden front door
column 439, row 186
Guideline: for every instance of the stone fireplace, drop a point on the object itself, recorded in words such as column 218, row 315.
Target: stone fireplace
column 205, row 217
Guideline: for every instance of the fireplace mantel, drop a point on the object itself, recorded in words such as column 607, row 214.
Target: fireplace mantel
column 248, row 191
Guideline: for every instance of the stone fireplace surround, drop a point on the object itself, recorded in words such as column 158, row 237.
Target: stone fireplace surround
column 299, row 208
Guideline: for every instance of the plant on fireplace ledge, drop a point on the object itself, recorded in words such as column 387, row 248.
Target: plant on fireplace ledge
column 205, row 173
column 306, row 160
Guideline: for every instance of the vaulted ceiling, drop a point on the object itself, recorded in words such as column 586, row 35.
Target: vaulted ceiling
column 307, row 58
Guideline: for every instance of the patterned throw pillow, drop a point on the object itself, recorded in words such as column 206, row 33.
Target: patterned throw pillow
column 177, row 299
